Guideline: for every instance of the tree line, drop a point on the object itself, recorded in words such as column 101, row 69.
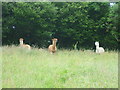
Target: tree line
column 75, row 24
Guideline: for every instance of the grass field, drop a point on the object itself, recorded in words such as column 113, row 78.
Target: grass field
column 65, row 69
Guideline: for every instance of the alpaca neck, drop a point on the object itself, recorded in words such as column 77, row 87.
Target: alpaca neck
column 54, row 43
column 21, row 42
column 97, row 46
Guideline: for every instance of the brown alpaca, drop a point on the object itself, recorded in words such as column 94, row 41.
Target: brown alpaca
column 24, row 45
column 52, row 48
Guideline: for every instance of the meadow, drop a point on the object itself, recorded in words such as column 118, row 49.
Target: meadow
column 64, row 69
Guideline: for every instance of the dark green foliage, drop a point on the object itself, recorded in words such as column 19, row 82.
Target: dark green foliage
column 77, row 24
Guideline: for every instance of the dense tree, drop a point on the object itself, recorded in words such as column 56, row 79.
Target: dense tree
column 32, row 21
column 75, row 24
column 112, row 26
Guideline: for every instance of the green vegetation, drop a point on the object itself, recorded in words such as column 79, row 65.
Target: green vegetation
column 65, row 69
column 72, row 22
column 76, row 25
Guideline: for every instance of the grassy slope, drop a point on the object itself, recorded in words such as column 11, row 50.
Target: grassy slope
column 65, row 69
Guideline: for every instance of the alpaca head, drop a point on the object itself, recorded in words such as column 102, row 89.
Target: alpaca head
column 96, row 43
column 21, row 40
column 54, row 39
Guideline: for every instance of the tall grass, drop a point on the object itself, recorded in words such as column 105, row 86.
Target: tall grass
column 65, row 69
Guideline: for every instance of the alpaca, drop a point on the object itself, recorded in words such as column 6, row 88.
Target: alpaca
column 52, row 48
column 24, row 45
column 99, row 49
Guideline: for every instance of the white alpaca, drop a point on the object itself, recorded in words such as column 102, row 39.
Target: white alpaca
column 24, row 45
column 99, row 49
